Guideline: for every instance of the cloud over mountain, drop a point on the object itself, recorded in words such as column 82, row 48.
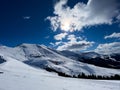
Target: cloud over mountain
column 108, row 48
column 74, row 44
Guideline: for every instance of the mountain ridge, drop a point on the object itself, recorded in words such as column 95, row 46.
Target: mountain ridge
column 44, row 58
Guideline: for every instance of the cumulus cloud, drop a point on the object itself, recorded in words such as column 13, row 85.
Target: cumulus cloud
column 113, row 35
column 73, row 38
column 60, row 36
column 108, row 48
column 95, row 12
column 56, row 43
column 74, row 44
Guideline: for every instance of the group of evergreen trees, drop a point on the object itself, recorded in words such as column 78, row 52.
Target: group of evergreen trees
column 114, row 77
column 1, row 72
column 82, row 75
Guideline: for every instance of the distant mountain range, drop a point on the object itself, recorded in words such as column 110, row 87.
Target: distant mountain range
column 108, row 61
column 70, row 63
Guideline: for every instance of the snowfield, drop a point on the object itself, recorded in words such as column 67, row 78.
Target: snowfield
column 19, row 76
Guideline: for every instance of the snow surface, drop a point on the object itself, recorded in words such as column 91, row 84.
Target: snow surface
column 19, row 76
column 43, row 57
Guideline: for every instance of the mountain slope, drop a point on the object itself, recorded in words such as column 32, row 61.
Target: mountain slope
column 19, row 76
column 108, row 61
column 42, row 57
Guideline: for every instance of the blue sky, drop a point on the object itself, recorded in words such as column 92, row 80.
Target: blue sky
column 61, row 24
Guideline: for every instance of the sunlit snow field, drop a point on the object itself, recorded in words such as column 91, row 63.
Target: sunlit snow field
column 19, row 76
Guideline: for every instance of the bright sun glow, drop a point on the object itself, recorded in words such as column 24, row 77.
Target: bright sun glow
column 65, row 26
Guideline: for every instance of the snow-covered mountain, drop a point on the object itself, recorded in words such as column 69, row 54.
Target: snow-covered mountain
column 41, row 57
column 108, row 61
column 16, row 75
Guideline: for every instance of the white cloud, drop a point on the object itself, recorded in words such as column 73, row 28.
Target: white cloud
column 76, row 46
column 60, row 36
column 71, row 38
column 26, row 17
column 95, row 12
column 113, row 35
column 52, row 44
column 57, row 43
column 108, row 48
